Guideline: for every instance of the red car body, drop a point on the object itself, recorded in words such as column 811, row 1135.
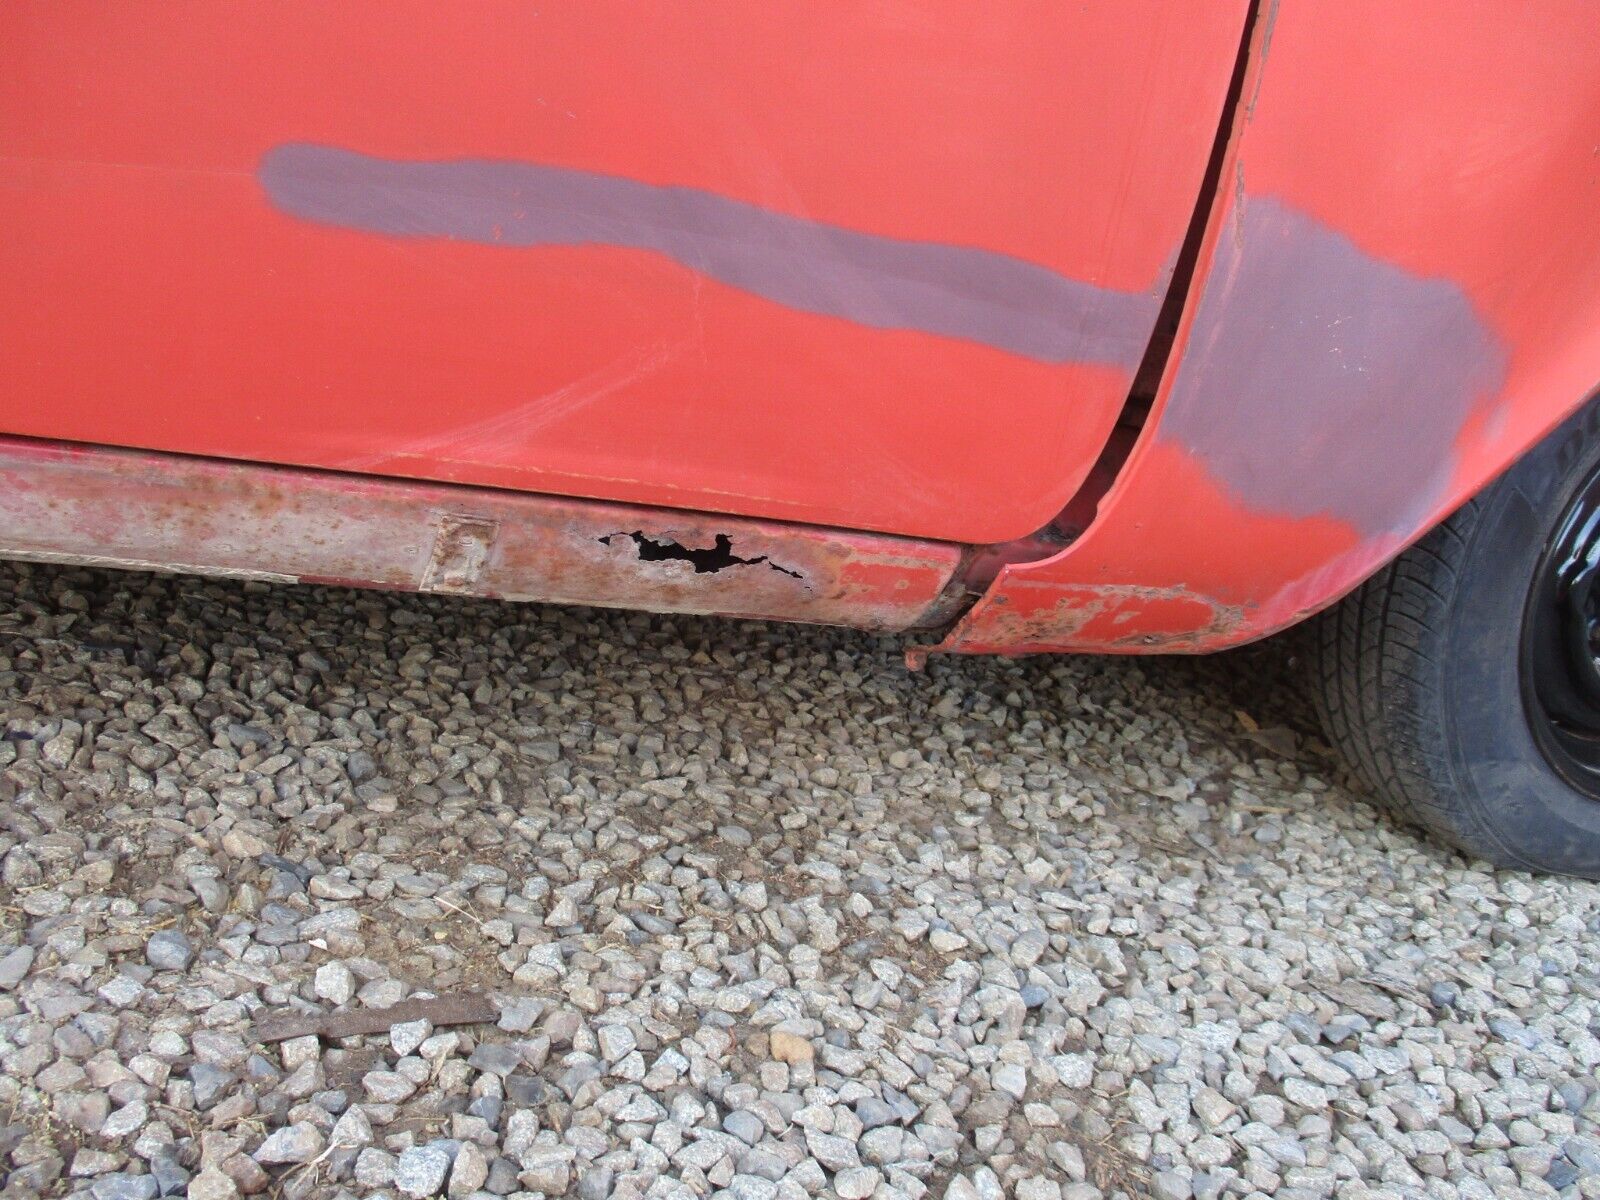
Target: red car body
column 1114, row 326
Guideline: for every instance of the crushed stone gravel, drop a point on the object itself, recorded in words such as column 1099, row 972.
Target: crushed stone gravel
column 747, row 912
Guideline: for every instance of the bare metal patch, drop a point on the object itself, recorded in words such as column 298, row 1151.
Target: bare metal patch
column 124, row 563
column 460, row 553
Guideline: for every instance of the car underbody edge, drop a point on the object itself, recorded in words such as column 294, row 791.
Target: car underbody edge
column 98, row 506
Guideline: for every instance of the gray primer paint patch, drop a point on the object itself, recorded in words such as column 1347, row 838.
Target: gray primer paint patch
column 1321, row 381
column 886, row 283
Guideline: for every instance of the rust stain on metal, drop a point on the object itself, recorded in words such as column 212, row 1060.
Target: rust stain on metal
column 132, row 508
column 452, row 1008
column 1105, row 618
column 460, row 551
column 1269, row 23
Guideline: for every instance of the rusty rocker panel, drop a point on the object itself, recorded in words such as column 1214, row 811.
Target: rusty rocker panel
column 124, row 508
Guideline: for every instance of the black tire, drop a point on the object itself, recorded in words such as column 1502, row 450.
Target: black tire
column 1423, row 679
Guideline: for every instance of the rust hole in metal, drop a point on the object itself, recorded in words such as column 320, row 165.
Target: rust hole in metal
column 719, row 556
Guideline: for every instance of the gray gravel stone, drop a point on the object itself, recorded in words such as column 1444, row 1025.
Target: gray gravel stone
column 334, row 983
column 172, row 1179
column 616, row 1042
column 495, row 1058
column 122, row 1186
column 857, row 1183
column 408, row 1035
column 169, row 950
column 291, row 1144
column 421, row 1171
column 210, row 1083
column 764, row 917
column 469, row 1172
column 547, row 1169
column 212, row 1184
column 375, row 1168
column 14, row 965
column 745, row 1126
column 388, row 1087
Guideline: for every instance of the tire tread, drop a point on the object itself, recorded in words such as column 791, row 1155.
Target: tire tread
column 1377, row 665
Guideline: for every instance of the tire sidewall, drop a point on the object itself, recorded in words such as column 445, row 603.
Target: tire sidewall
column 1523, row 807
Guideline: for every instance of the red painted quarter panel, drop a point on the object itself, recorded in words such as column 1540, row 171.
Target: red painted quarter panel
column 872, row 265
column 1398, row 293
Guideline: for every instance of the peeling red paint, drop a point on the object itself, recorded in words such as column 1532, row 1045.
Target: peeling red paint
column 1113, row 619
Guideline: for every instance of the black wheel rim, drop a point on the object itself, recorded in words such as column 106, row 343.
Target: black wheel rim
column 1561, row 644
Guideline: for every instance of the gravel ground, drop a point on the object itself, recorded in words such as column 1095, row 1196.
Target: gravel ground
column 743, row 911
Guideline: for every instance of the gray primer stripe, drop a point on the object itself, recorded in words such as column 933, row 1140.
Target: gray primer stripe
column 1320, row 380
column 886, row 283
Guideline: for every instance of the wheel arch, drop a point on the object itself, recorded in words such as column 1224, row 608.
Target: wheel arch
column 1369, row 339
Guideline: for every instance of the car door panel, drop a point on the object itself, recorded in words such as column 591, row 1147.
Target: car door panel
column 878, row 266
